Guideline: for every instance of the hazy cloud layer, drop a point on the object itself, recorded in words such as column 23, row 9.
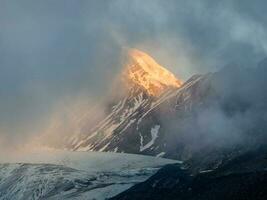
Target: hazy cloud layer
column 52, row 52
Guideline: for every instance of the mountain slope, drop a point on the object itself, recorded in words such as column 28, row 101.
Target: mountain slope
column 138, row 123
column 148, row 85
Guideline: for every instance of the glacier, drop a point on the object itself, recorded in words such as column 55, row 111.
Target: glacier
column 59, row 174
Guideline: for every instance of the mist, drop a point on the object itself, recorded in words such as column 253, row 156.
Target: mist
column 228, row 111
column 54, row 55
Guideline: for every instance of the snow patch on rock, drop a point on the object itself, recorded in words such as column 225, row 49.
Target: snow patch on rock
column 154, row 135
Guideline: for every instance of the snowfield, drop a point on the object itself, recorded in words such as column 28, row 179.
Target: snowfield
column 73, row 175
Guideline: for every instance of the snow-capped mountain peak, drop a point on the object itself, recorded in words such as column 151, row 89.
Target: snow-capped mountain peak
column 143, row 71
column 132, row 122
column 145, row 85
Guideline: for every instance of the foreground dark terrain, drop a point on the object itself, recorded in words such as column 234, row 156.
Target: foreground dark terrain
column 244, row 177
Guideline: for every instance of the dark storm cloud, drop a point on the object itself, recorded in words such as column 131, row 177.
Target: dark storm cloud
column 51, row 51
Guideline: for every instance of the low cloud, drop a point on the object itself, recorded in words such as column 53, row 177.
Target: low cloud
column 53, row 51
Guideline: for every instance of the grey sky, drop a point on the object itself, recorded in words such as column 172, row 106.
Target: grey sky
column 51, row 51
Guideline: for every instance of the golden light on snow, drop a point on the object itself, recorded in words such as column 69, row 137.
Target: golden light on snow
column 144, row 71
